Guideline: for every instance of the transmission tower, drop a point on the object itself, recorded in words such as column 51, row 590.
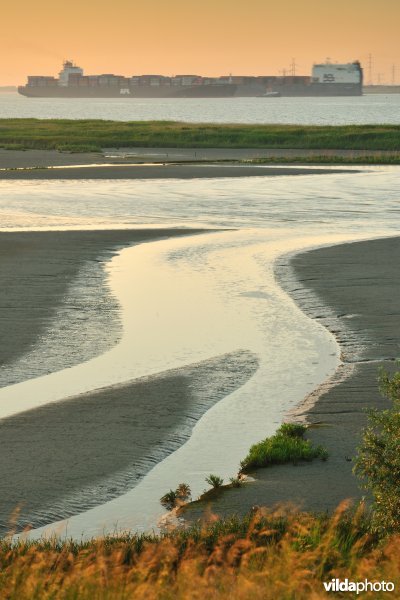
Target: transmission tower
column 369, row 69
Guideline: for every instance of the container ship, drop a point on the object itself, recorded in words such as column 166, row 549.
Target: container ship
column 327, row 79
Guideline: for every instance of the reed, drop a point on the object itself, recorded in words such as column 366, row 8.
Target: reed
column 285, row 554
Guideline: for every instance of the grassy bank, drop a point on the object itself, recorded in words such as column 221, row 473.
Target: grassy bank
column 287, row 445
column 93, row 135
column 266, row 555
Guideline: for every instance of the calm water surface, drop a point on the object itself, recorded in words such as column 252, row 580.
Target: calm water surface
column 306, row 111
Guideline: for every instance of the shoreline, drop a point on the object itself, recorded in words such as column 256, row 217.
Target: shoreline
column 315, row 280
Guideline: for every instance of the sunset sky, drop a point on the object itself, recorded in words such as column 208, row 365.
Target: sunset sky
column 210, row 37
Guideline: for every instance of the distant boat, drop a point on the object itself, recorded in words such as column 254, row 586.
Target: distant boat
column 270, row 95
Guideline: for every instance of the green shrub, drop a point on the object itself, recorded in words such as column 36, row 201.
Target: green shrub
column 378, row 460
column 287, row 445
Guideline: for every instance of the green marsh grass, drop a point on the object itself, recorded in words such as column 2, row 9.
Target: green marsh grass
column 287, row 445
column 93, row 135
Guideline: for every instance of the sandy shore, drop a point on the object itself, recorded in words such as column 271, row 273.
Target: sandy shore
column 354, row 290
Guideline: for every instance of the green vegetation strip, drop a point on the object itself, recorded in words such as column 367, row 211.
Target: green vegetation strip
column 93, row 135
column 286, row 446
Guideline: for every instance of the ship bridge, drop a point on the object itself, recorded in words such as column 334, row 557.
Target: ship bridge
column 69, row 68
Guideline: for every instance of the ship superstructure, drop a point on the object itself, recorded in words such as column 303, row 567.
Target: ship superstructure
column 328, row 79
column 68, row 70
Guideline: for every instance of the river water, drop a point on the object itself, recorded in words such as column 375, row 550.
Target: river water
column 377, row 108
column 212, row 294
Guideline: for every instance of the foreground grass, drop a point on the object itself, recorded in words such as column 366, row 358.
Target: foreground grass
column 287, row 445
column 93, row 135
column 248, row 558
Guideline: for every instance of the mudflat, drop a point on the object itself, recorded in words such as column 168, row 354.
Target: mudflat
column 69, row 456
column 36, row 270
column 61, row 458
column 354, row 290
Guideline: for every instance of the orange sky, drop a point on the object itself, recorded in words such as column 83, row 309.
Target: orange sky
column 210, row 37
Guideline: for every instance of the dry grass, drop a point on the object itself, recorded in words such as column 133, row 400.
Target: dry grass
column 266, row 556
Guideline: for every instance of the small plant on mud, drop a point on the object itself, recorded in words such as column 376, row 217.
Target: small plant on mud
column 215, row 481
column 183, row 492
column 169, row 500
column 172, row 499
column 236, row 482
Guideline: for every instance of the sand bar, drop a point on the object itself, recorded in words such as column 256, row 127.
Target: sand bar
column 354, row 290
column 165, row 171
column 13, row 159
column 153, row 163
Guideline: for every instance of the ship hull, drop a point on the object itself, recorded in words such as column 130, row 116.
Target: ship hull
column 209, row 91
column 325, row 90
column 204, row 91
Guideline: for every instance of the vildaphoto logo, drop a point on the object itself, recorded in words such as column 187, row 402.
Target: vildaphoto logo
column 344, row 585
